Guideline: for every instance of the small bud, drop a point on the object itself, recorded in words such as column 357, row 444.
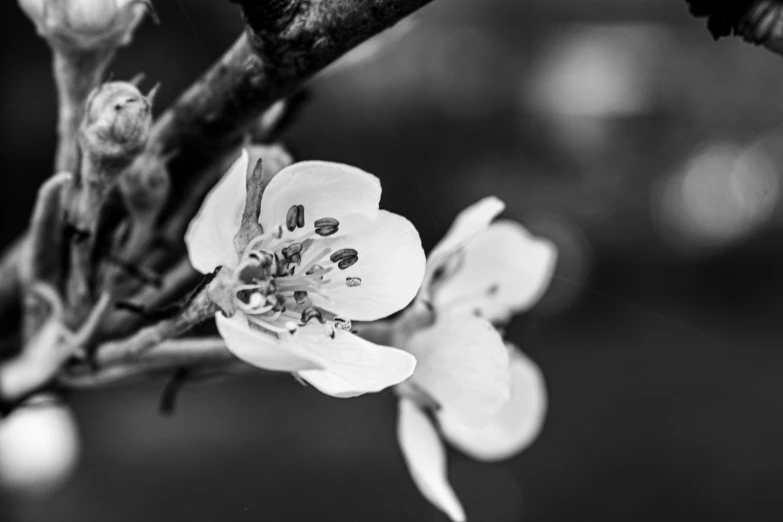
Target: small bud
column 86, row 23
column 116, row 122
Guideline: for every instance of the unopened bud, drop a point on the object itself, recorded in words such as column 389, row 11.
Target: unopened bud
column 86, row 23
column 116, row 122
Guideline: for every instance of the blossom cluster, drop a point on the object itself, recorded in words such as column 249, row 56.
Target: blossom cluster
column 305, row 253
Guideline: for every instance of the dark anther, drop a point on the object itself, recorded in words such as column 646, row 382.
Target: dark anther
column 342, row 324
column 353, row 281
column 345, row 263
column 300, row 296
column 292, row 250
column 300, row 216
column 326, row 231
column 312, row 313
column 326, row 226
column 326, row 222
column 291, row 218
column 345, row 253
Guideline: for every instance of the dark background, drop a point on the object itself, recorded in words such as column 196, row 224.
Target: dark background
column 617, row 128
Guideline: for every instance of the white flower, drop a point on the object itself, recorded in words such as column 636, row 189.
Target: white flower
column 86, row 23
column 39, row 446
column 321, row 255
column 487, row 398
column 495, row 269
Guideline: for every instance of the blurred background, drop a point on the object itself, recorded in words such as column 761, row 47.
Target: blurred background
column 649, row 153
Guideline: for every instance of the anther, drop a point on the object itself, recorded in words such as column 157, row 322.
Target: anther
column 342, row 324
column 290, row 250
column 353, row 281
column 345, row 253
column 291, row 218
column 311, row 313
column 345, row 263
column 300, row 222
column 326, row 226
column 300, row 296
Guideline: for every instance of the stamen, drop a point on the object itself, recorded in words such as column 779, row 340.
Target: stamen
column 353, row 281
column 300, row 296
column 300, row 217
column 291, row 218
column 311, row 313
column 342, row 254
column 326, row 226
column 345, row 263
column 342, row 324
column 292, row 250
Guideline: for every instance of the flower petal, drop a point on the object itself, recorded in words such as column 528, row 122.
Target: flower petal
column 260, row 349
column 463, row 364
column 324, row 189
column 426, row 459
column 390, row 269
column 514, row 427
column 474, row 219
column 503, row 270
column 210, row 236
column 351, row 365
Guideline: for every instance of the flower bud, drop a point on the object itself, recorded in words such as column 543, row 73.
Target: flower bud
column 116, row 122
column 86, row 23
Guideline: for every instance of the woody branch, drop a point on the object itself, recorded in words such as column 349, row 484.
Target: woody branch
column 284, row 44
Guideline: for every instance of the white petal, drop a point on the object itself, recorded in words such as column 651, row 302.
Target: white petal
column 351, row 365
column 503, row 270
column 474, row 219
column 324, row 189
column 210, row 236
column 514, row 427
column 463, row 364
column 260, row 349
column 426, row 459
column 390, row 266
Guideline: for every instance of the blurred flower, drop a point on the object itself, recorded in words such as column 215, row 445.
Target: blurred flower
column 86, row 23
column 721, row 195
column 488, row 399
column 495, row 269
column 39, row 446
column 317, row 254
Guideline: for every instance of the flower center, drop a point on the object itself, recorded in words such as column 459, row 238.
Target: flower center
column 274, row 286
